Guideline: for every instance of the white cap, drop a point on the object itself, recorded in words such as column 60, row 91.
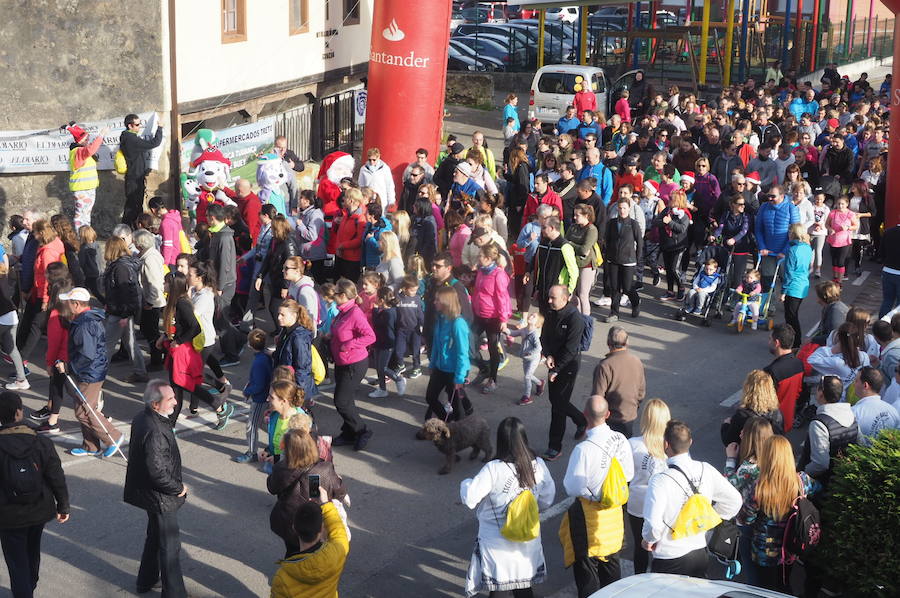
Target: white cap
column 76, row 294
column 465, row 168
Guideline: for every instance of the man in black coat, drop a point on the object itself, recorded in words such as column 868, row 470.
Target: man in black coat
column 624, row 244
column 560, row 340
column 32, row 499
column 133, row 147
column 153, row 483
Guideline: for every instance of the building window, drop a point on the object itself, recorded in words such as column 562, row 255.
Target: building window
column 351, row 12
column 234, row 21
column 299, row 16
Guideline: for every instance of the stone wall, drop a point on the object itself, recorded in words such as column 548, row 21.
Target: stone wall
column 83, row 60
column 469, row 89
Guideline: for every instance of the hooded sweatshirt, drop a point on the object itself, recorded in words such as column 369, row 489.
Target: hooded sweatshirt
column 351, row 335
column 490, row 298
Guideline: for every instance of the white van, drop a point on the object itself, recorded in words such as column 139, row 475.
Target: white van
column 553, row 89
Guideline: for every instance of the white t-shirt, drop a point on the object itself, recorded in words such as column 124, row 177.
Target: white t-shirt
column 874, row 415
column 645, row 465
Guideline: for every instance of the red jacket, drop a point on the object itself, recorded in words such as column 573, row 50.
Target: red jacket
column 46, row 255
column 584, row 100
column 551, row 198
column 250, row 207
column 349, row 237
column 57, row 340
column 636, row 180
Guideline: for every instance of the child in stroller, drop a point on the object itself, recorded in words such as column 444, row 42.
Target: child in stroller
column 705, row 283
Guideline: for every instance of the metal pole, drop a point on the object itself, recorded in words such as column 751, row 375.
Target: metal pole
column 869, row 32
column 745, row 21
column 583, row 42
column 848, row 27
column 786, row 37
column 729, row 42
column 636, row 43
column 541, row 16
column 704, row 42
column 815, row 37
column 798, row 35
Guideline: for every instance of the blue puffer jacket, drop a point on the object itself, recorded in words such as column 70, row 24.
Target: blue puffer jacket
column 293, row 349
column 450, row 347
column 772, row 225
column 796, row 269
column 88, row 361
column 371, row 253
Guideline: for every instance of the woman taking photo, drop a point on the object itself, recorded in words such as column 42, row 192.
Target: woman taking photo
column 449, row 356
column 778, row 486
column 351, row 336
column 758, row 398
column 673, row 223
column 185, row 364
column 202, row 287
column 311, row 230
column 294, row 344
column 349, row 236
column 289, row 481
column 283, row 247
column 500, row 566
column 649, row 458
column 583, row 236
column 795, row 285
column 491, row 307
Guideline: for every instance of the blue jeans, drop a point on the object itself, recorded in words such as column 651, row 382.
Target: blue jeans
column 890, row 292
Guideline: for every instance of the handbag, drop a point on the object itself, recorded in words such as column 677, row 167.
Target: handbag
column 723, row 545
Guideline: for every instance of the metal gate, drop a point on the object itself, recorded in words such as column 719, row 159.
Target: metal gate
column 296, row 125
column 337, row 131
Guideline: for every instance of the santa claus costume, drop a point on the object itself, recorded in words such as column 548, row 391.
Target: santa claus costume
column 335, row 166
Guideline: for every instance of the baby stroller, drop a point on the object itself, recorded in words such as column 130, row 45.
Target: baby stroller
column 713, row 303
column 765, row 320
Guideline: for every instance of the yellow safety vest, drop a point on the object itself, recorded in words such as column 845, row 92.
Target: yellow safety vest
column 84, row 178
column 589, row 530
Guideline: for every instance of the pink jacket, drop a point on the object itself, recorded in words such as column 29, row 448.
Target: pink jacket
column 836, row 221
column 490, row 298
column 351, row 335
column 623, row 109
column 170, row 230
column 457, row 241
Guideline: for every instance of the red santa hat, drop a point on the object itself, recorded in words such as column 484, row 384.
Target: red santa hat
column 343, row 160
column 689, row 177
column 652, row 187
column 752, row 177
column 77, row 132
column 211, row 154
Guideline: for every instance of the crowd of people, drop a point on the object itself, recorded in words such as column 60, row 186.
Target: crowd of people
column 473, row 251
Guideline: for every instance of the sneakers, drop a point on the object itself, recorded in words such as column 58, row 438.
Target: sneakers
column 504, row 361
column 341, row 440
column 669, row 296
column 111, row 449
column 414, row 373
column 373, row 380
column 18, row 385
column 14, row 375
column 48, row 428
column 247, row 457
column 612, row 318
column 489, row 387
column 655, row 278
column 753, row 325
column 227, row 362
column 540, row 387
column 192, row 413
column 551, row 455
column 391, row 373
column 80, row 452
column 225, row 390
column 135, row 378
column 362, row 440
column 223, row 415
column 525, row 400
column 401, row 386
column 636, row 309
column 602, row 301
column 378, row 394
column 40, row 415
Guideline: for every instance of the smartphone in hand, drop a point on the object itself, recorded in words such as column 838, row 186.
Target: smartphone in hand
column 313, row 493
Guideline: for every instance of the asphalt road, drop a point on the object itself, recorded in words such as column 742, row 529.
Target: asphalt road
column 411, row 537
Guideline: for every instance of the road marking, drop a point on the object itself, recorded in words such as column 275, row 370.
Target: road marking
column 733, row 399
column 861, row 279
column 557, row 509
column 814, row 328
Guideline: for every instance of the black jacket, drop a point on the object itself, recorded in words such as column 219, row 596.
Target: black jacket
column 291, row 486
column 409, row 195
column 153, row 478
column 623, row 244
column 890, row 247
column 223, row 253
column 384, row 322
column 122, row 287
column 19, row 440
column 443, row 176
column 274, row 262
column 568, row 193
column 839, row 163
column 185, row 321
column 561, row 336
column 134, row 148
column 731, row 431
column 672, row 236
column 517, row 188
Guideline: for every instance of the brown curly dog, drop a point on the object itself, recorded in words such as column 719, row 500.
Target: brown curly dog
column 453, row 437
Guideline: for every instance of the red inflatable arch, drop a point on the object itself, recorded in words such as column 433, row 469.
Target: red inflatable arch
column 892, row 200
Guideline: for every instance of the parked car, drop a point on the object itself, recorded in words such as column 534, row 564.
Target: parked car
column 512, row 58
column 476, row 15
column 521, row 37
column 457, row 61
column 612, row 10
column 553, row 89
column 498, row 57
column 569, row 14
column 665, row 585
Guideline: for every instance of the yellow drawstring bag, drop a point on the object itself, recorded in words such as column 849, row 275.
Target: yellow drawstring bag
column 696, row 516
column 318, row 367
column 523, row 523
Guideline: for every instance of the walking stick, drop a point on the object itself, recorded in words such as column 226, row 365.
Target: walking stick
column 97, row 417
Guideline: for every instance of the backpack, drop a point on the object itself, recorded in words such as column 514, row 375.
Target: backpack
column 614, row 490
column 802, row 531
column 696, row 516
column 320, row 316
column 723, row 545
column 523, row 523
column 587, row 333
column 120, row 163
column 23, row 483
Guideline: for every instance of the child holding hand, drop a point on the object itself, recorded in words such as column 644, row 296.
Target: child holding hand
column 530, row 331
